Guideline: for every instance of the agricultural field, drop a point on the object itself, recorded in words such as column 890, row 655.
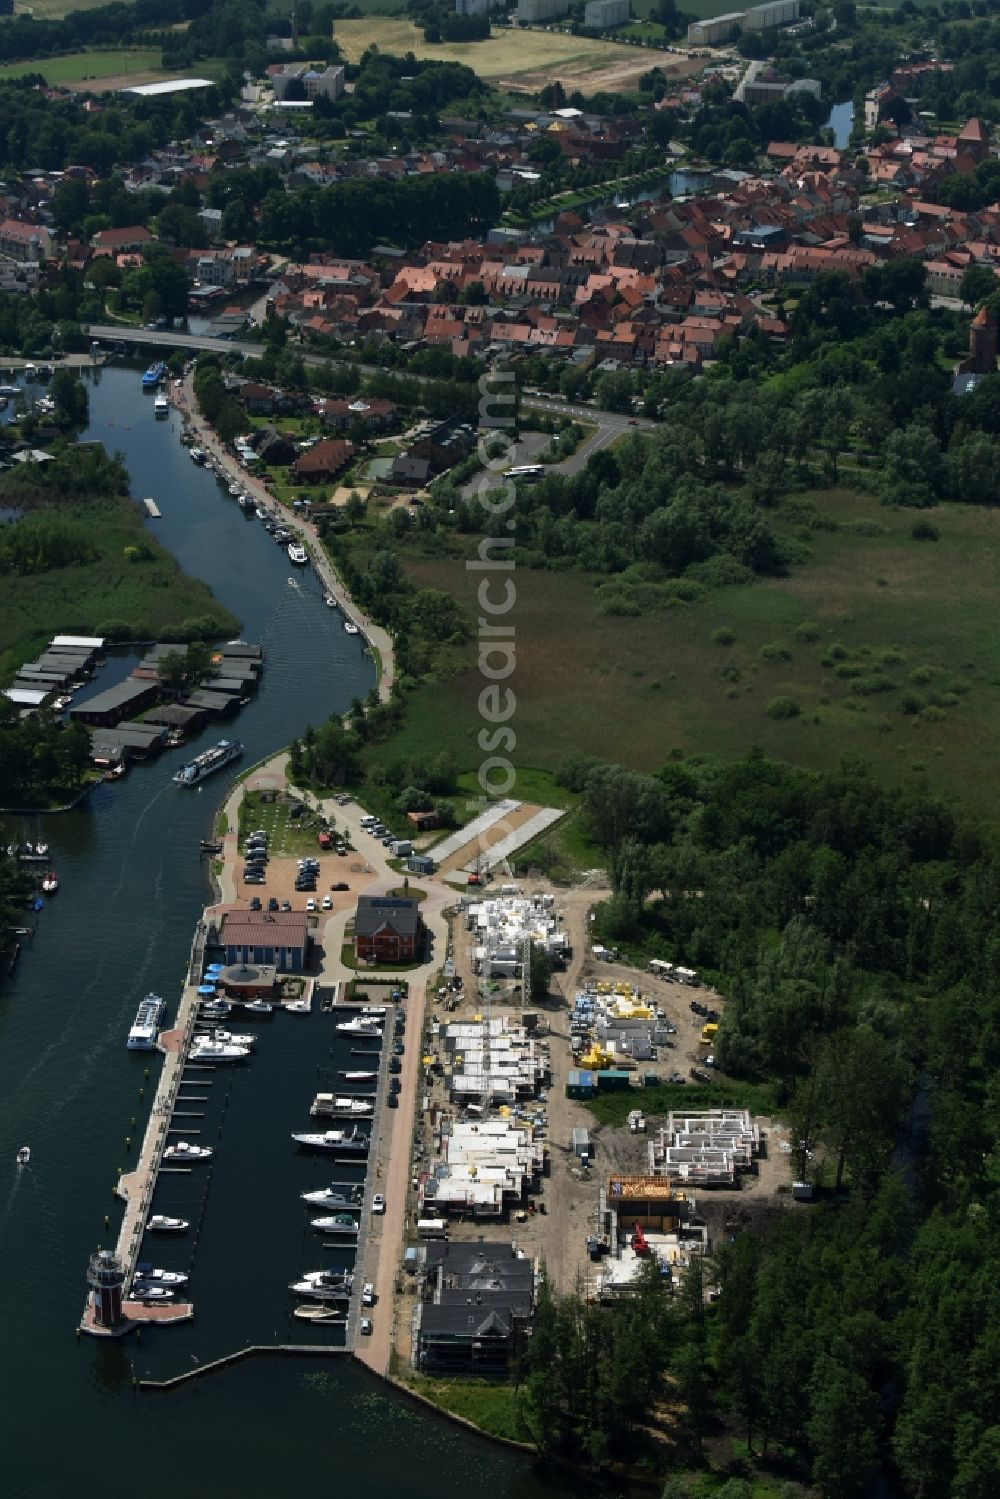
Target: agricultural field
column 880, row 647
column 517, row 59
column 111, row 69
column 53, row 10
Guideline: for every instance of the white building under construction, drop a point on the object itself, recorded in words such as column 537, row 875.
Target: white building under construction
column 709, row 1149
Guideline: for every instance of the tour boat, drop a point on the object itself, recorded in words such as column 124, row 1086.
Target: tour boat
column 329, row 1198
column 24, row 1155
column 161, row 1224
column 50, row 883
column 154, row 375
column 340, row 1223
column 146, row 1025
column 297, row 554
column 360, row 1077
column 183, row 1151
column 161, row 407
column 333, row 1139
column 208, row 762
column 150, row 1276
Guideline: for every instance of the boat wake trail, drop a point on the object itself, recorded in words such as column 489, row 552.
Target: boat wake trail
column 124, row 869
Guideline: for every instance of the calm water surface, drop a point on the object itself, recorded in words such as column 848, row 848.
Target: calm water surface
column 132, row 888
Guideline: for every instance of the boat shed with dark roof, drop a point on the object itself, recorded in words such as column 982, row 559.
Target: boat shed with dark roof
column 108, row 708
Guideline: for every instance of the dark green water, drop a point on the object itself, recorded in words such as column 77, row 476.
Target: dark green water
column 121, row 925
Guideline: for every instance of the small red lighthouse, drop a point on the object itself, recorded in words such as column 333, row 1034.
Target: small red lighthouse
column 106, row 1279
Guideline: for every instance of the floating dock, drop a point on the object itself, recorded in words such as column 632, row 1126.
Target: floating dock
column 152, row 508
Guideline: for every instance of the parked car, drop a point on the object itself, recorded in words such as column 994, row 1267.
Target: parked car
column 255, row 903
column 378, row 1203
column 365, row 1327
column 392, row 1102
column 272, row 904
column 286, row 905
column 367, row 1294
column 327, row 903
column 310, row 905
column 395, row 1065
column 398, row 1048
column 340, row 885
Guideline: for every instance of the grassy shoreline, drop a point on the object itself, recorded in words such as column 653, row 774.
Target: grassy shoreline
column 119, row 595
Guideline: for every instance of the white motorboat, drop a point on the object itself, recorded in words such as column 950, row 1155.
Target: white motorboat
column 142, row 1292
column 329, row 601
column 184, row 1151
column 159, row 1223
column 340, row 1223
column 50, row 883
column 256, row 1006
column 319, row 1314
column 149, row 1275
column 350, row 627
column 235, row 491
column 326, row 1105
column 333, row 1139
column 357, row 1026
column 329, row 1277
column 237, row 1038
column 215, row 1009
column 217, row 1051
column 161, row 407
column 320, row 1291
column 146, row 1025
column 330, row 1197
column 359, row 1077
column 24, row 1155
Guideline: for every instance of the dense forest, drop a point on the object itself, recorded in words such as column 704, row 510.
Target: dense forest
column 852, row 930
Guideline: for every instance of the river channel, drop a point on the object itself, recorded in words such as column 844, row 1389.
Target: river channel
column 132, row 888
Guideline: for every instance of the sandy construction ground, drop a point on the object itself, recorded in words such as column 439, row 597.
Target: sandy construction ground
column 521, row 59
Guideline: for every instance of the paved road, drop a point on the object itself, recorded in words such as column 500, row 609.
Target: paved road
column 610, row 424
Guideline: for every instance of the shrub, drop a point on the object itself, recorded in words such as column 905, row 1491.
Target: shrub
column 932, row 713
column 723, row 636
column 848, row 669
column 925, row 531
column 961, row 685
column 783, row 707
column 838, row 652
column 773, row 652
column 892, row 657
column 808, row 630
column 921, row 675
column 912, row 702
column 730, row 672
column 870, row 685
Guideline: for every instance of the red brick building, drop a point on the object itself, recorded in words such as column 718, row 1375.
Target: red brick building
column 387, row 929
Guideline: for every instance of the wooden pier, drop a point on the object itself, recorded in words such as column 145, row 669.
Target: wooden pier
column 287, row 1350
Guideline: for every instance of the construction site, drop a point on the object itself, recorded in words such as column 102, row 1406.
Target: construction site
column 507, row 1146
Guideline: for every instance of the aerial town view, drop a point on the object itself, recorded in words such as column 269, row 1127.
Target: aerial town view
column 499, row 719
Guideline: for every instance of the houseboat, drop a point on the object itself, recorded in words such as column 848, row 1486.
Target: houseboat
column 146, row 1026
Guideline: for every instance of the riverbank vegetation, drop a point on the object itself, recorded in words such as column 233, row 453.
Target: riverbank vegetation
column 78, row 558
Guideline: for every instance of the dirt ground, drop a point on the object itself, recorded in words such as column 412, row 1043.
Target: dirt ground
column 613, row 77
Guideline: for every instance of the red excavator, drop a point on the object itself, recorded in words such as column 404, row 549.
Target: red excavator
column 639, row 1243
